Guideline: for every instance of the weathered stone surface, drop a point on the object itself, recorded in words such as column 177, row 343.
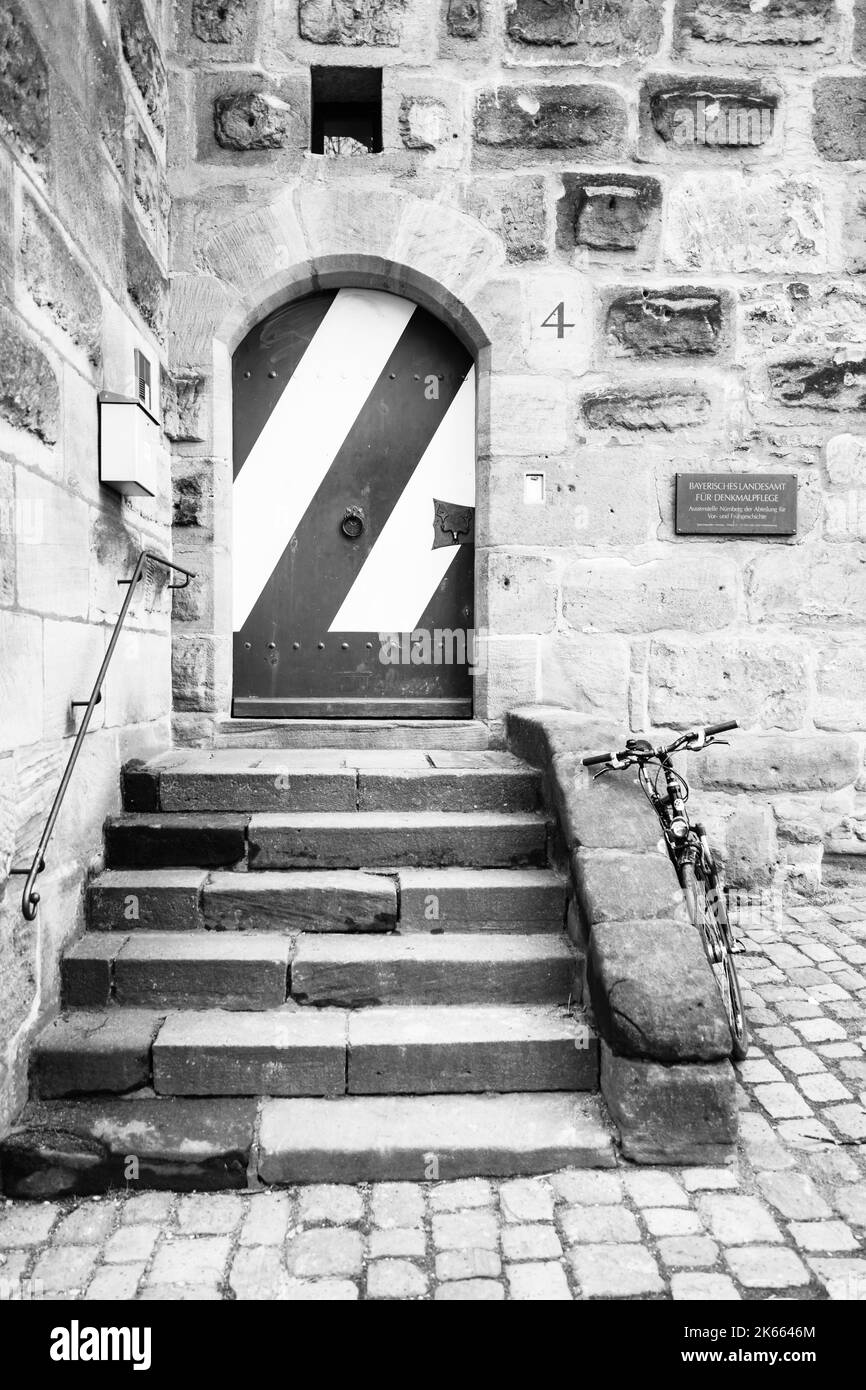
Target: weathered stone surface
column 378, row 1138
column 827, row 585
column 616, row 596
column 466, row 900
column 86, row 970
column 251, row 121
column 620, row 886
column 183, row 399
column 423, row 1051
column 221, row 21
column 591, row 120
column 58, row 1149
column 141, row 52
column 804, row 762
column 839, row 117
column 24, row 109
column 720, row 221
column 106, row 90
column 145, row 281
column 606, row 212
column 665, row 323
column 147, row 900
column 215, row 1053
column 515, row 210
column 653, row 994
column 148, row 183
column 681, row 1114
column 608, row 813
column 301, row 901
column 464, row 18
column 528, row 415
column 821, row 385
column 646, row 408
column 88, row 1051
column 192, row 480
column 59, row 282
column 599, row 29
column 443, row 790
column 377, row 22
column 520, row 592
column 202, row 787
column 352, row 971
column 423, row 122
column 193, row 671
column 796, row 314
column 339, row 840
column 20, row 668
column 846, row 460
column 689, row 113
column 165, row 841
column 29, row 394
column 229, row 970
column 840, row 680
column 52, row 565
column 758, row 680
column 751, row 848
column 780, row 24
column 589, row 674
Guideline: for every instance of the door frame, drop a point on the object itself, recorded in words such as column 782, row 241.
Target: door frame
column 354, row 272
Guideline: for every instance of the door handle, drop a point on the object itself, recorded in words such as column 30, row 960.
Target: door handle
column 353, row 523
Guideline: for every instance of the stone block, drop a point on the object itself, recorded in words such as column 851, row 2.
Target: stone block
column 229, row 970
column 721, row 222
column 646, row 408
column 840, row 679
column 59, row 282
column 73, row 653
column 806, row 762
column 9, row 523
column 510, row 675
column 53, row 570
column 302, row 901
column 782, row 31
column 681, row 115
column 846, row 460
column 252, row 121
column 604, row 813
column 143, row 56
column 587, row 120
column 464, row 18
column 608, row 212
column 166, row 841
column 221, row 21
column 827, row 584
column 376, row 23
column 94, row 1051
column 681, row 1114
column 839, row 117
column 183, row 400
column 24, row 107
column 820, row 384
column 751, row 849
column 145, row 281
column 215, row 1052
column 515, row 210
column 528, row 415
column 29, row 393
column 21, row 659
column 791, row 314
column 587, row 674
column 617, row 596
column 758, row 680
column 137, row 688
column 519, row 593
column 678, row 322
column 622, row 886
column 147, row 900
column 88, row 199
column 149, row 185
column 653, row 994
column 424, row 122
column 193, row 670
column 105, row 91
column 598, row 31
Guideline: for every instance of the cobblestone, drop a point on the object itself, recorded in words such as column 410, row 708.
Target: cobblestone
column 788, row 1220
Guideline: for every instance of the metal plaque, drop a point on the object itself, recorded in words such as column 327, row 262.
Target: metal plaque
column 736, row 504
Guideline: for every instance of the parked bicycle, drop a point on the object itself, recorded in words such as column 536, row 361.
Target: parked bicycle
column 691, row 855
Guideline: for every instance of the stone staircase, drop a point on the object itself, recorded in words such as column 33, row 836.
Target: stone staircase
column 316, row 965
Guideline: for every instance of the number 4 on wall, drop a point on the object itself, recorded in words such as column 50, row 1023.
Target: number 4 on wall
column 556, row 319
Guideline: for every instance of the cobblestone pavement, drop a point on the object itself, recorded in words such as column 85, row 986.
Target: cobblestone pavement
column 788, row 1221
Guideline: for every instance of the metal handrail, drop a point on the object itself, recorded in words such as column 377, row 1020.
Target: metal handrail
column 30, row 898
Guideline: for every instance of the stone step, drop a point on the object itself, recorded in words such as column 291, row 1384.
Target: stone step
column 380, row 838
column 480, row 900
column 329, row 900
column 94, row 1050
column 230, row 970
column 80, row 1147
column 351, row 733
column 380, row 1138
column 356, row 971
column 330, row 780
column 404, row 1051
column 157, row 840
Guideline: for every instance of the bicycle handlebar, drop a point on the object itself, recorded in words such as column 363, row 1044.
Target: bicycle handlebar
column 694, row 734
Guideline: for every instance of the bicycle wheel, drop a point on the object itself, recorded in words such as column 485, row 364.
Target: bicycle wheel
column 706, row 905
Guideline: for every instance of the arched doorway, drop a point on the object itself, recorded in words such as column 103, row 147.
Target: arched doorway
column 353, row 512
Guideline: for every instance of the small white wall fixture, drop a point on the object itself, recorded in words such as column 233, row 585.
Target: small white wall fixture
column 128, row 445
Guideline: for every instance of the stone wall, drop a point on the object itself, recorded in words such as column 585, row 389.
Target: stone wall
column 647, row 217
column 83, row 238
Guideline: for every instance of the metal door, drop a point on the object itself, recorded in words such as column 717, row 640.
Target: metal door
column 353, row 512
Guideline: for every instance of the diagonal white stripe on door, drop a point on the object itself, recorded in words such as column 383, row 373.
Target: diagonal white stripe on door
column 402, row 571
column 305, row 430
